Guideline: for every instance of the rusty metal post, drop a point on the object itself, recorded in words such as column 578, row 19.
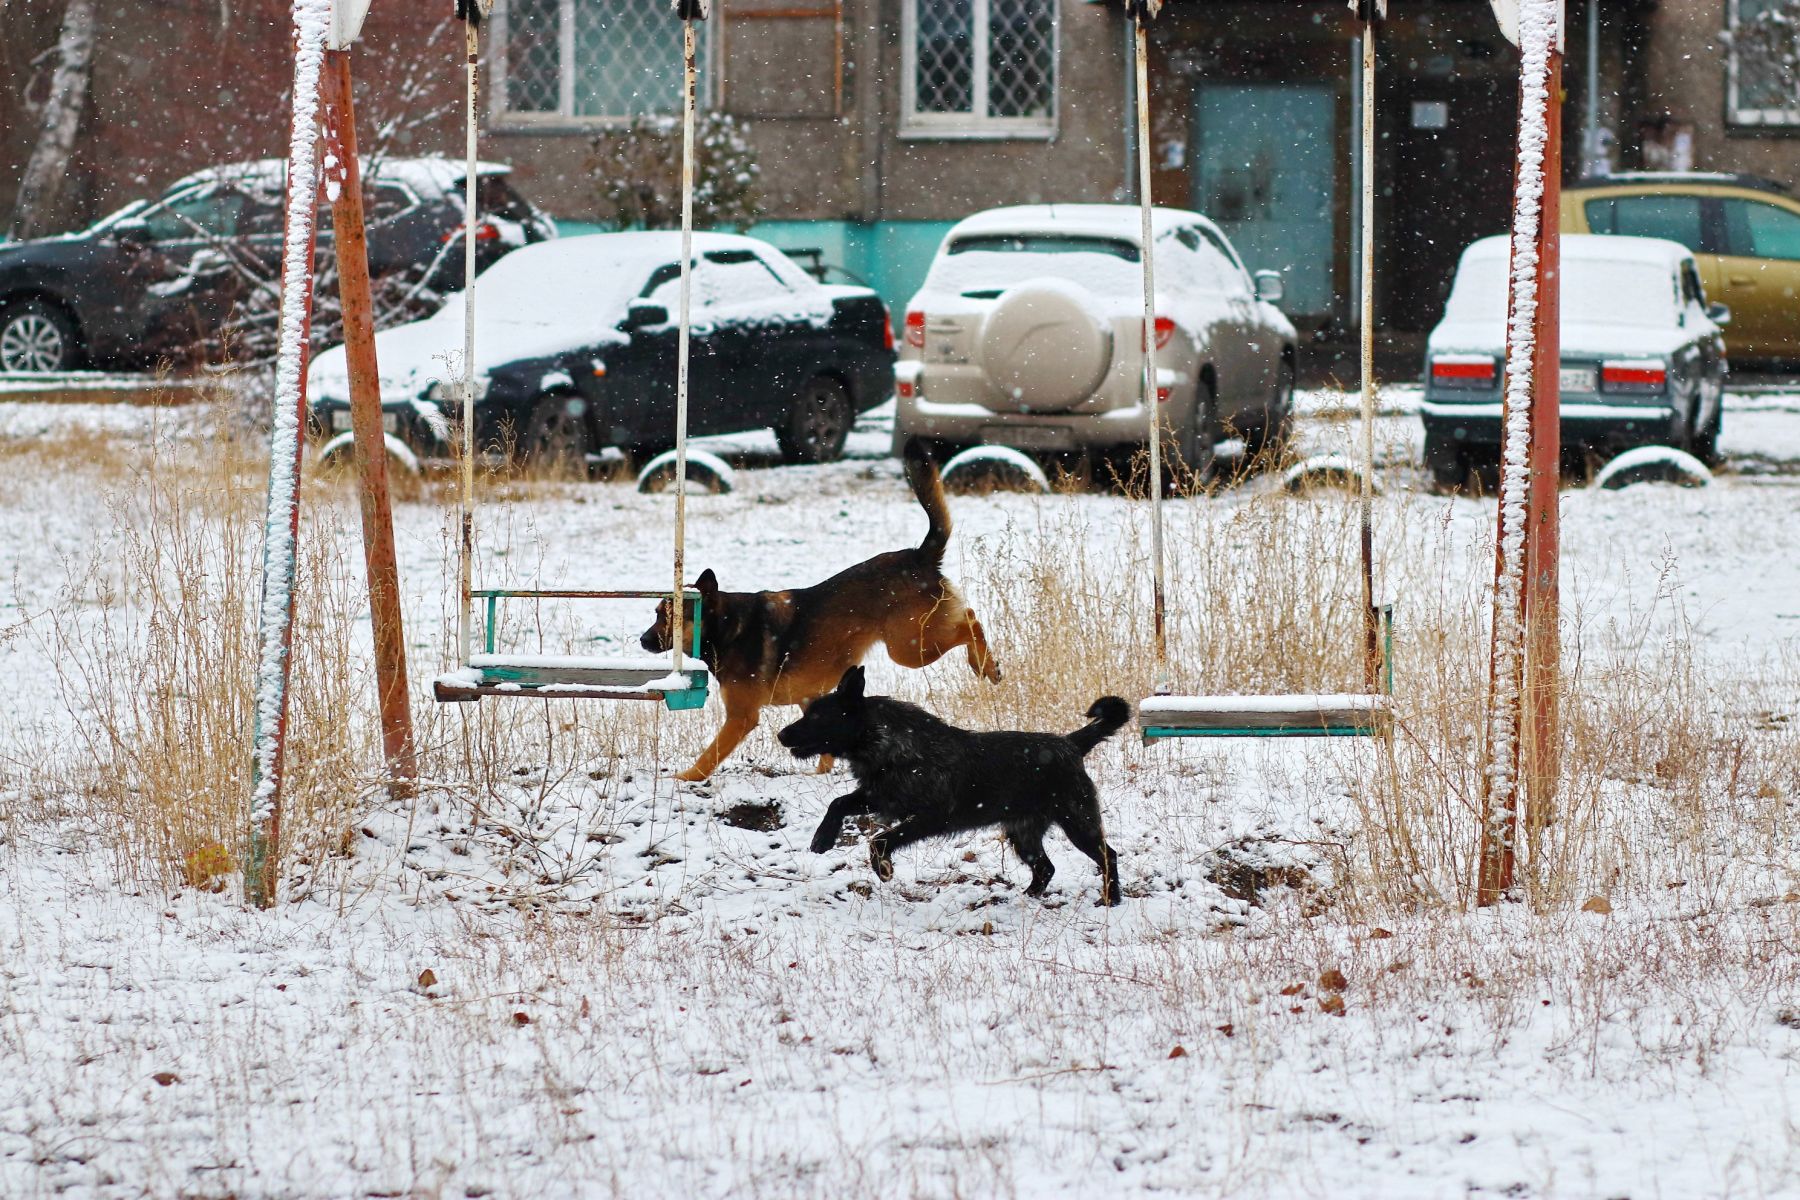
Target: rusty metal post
column 1525, row 549
column 365, row 423
column 287, row 443
column 1542, row 596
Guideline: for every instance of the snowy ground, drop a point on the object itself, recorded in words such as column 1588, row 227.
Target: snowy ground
column 629, row 995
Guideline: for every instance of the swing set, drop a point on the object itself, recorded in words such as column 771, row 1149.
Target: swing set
column 1524, row 652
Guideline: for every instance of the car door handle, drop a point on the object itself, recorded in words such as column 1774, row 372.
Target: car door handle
column 1742, row 281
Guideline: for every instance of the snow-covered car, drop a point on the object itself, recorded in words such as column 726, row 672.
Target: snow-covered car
column 162, row 278
column 1028, row 333
column 1643, row 358
column 575, row 351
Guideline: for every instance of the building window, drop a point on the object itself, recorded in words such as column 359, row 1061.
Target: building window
column 589, row 62
column 1763, row 65
column 980, row 68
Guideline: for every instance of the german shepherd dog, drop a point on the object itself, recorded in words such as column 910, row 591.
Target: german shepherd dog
column 792, row 647
column 935, row 779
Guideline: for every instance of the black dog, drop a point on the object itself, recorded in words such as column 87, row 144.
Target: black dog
column 935, row 779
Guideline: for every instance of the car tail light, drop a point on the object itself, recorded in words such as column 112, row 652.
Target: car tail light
column 915, row 329
column 905, row 389
column 1165, row 330
column 887, row 332
column 484, row 232
column 1162, row 395
column 1463, row 370
column 1633, row 375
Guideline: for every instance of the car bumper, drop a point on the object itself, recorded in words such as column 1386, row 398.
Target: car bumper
column 1582, row 424
column 1127, row 424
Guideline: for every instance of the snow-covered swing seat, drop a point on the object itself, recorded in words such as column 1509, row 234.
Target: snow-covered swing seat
column 681, row 680
column 1340, row 714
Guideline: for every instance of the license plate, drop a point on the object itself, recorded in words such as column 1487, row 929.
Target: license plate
column 1576, row 379
column 1029, row 437
column 340, row 420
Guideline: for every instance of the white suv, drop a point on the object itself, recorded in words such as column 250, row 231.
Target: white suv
column 1027, row 333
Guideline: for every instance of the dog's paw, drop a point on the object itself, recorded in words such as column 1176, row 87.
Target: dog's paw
column 826, row 762
column 878, row 859
column 1108, row 899
column 692, row 775
column 824, row 838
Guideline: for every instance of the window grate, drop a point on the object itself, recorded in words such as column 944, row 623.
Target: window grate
column 1764, row 58
column 593, row 62
column 981, row 66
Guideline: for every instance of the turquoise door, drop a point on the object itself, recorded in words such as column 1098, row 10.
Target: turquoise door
column 1264, row 171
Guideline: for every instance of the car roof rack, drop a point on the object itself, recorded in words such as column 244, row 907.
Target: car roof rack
column 1728, row 178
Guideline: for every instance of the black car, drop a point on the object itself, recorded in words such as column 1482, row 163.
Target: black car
column 166, row 278
column 575, row 351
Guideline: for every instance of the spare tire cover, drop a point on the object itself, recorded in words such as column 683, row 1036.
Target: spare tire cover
column 1044, row 346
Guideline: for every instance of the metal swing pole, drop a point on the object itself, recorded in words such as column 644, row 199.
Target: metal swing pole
column 1141, row 11
column 470, row 13
column 1371, row 13
column 689, row 11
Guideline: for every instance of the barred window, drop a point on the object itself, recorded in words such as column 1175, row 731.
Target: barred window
column 1762, row 72
column 589, row 61
column 980, row 67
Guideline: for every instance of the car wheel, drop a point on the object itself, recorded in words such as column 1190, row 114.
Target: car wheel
column 1269, row 441
column 1448, row 465
column 1189, row 466
column 818, row 423
column 556, row 437
column 36, row 336
column 1706, row 442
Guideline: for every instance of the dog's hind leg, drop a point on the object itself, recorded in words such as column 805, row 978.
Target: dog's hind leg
column 1028, row 841
column 947, row 626
column 1084, row 832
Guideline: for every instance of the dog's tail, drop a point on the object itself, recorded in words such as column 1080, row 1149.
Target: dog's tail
column 1107, row 716
column 922, row 473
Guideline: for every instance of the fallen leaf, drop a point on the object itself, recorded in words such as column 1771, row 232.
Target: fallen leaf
column 1178, row 1052
column 165, row 1078
column 987, row 927
column 1225, row 1029
column 520, row 1018
column 1333, row 980
column 1293, row 989
column 584, row 1006
column 1333, row 1004
column 1597, row 904
column 427, row 979
column 1378, row 933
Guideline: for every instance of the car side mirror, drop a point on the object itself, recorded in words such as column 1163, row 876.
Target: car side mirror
column 131, row 232
column 1719, row 314
column 1269, row 287
column 642, row 314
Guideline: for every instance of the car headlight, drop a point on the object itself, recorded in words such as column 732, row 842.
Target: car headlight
column 450, row 391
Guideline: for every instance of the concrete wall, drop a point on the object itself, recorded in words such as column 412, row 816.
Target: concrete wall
column 1685, row 79
column 829, row 145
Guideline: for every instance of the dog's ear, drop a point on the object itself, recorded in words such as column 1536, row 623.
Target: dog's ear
column 851, row 685
column 707, row 584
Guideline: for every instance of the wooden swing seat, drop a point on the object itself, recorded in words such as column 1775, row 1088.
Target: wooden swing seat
column 1327, row 715
column 1331, row 714
column 578, row 677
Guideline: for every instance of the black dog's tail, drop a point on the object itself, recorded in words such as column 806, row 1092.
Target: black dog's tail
column 1108, row 715
column 922, row 473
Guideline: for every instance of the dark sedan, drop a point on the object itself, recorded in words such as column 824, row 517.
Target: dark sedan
column 1643, row 362
column 575, row 351
column 194, row 272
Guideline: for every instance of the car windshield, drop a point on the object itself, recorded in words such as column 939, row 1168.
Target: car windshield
column 990, row 261
column 563, row 283
column 1599, row 292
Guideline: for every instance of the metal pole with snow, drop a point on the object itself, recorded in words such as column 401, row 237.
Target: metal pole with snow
column 343, row 184
column 281, row 525
column 1140, row 13
column 1524, row 647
